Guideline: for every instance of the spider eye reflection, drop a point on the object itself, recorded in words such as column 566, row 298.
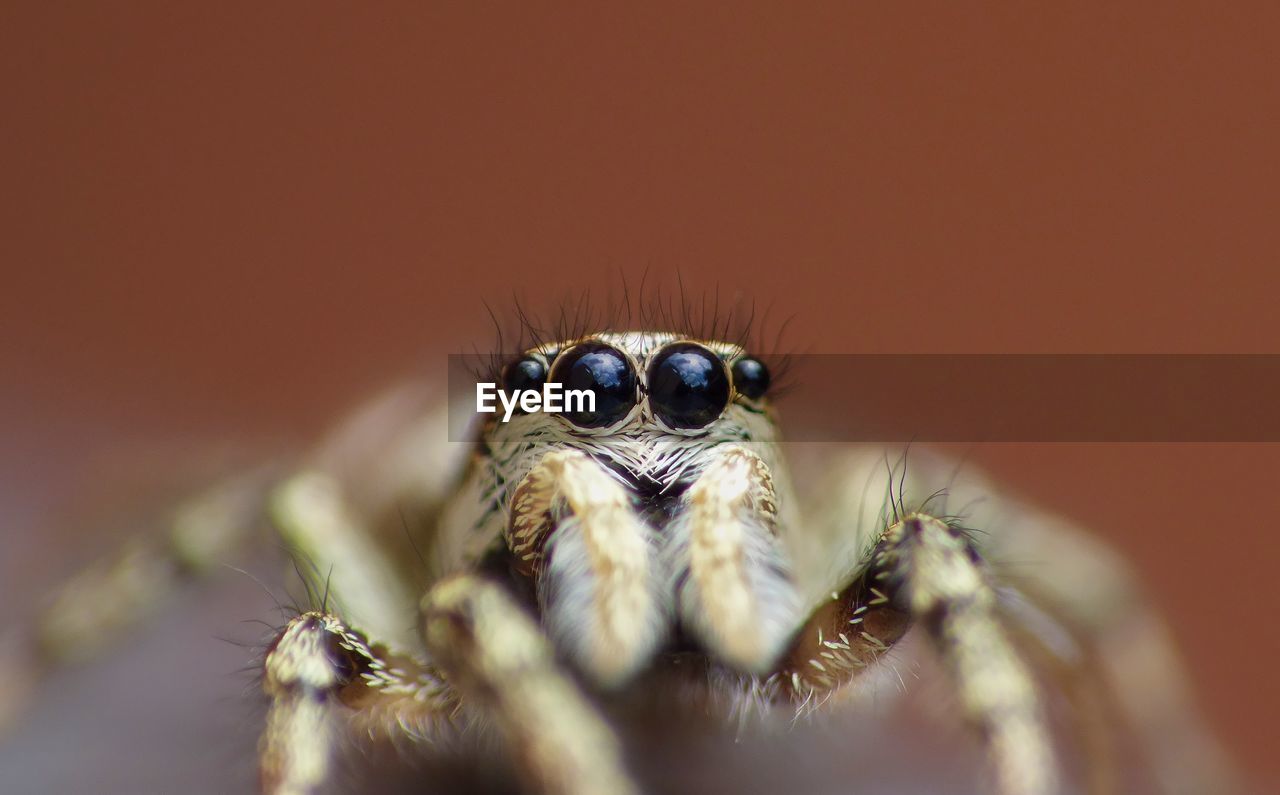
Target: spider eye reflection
column 601, row 369
column 688, row 386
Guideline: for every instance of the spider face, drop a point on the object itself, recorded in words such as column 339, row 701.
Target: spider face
column 666, row 407
column 606, row 510
column 663, row 403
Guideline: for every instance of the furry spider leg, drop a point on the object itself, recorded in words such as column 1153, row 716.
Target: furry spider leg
column 939, row 573
column 501, row 660
column 393, row 450
column 1068, row 604
column 1098, row 628
column 891, row 569
column 112, row 596
column 323, row 675
column 728, row 568
column 573, row 529
column 924, row 571
column 325, row 679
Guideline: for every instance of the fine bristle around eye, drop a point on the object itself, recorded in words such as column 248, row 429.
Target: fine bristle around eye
column 694, row 313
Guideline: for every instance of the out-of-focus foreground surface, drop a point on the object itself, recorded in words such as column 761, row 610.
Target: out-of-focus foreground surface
column 223, row 226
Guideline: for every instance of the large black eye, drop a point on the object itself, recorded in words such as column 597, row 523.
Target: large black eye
column 750, row 377
column 603, row 371
column 688, row 387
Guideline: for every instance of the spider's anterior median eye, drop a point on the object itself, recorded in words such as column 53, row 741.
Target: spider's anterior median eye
column 601, row 370
column 688, row 386
column 750, row 377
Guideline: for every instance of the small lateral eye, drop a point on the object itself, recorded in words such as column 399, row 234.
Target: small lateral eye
column 750, row 377
column 602, row 370
column 522, row 374
column 688, row 386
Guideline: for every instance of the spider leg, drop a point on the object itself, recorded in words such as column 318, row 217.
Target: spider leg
column 324, row 679
column 1109, row 641
column 573, row 530
column 354, row 662
column 727, row 565
column 100, row 604
column 501, row 661
column 924, row 571
column 946, row 588
column 343, row 514
column 341, row 560
column 394, row 449
column 1067, row 603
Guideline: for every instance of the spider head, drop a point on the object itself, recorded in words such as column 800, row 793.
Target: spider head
column 598, row 503
column 643, row 403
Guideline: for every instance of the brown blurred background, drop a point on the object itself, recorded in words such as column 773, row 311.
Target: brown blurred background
column 236, row 223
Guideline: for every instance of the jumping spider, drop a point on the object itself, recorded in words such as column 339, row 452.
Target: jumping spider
column 658, row 538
